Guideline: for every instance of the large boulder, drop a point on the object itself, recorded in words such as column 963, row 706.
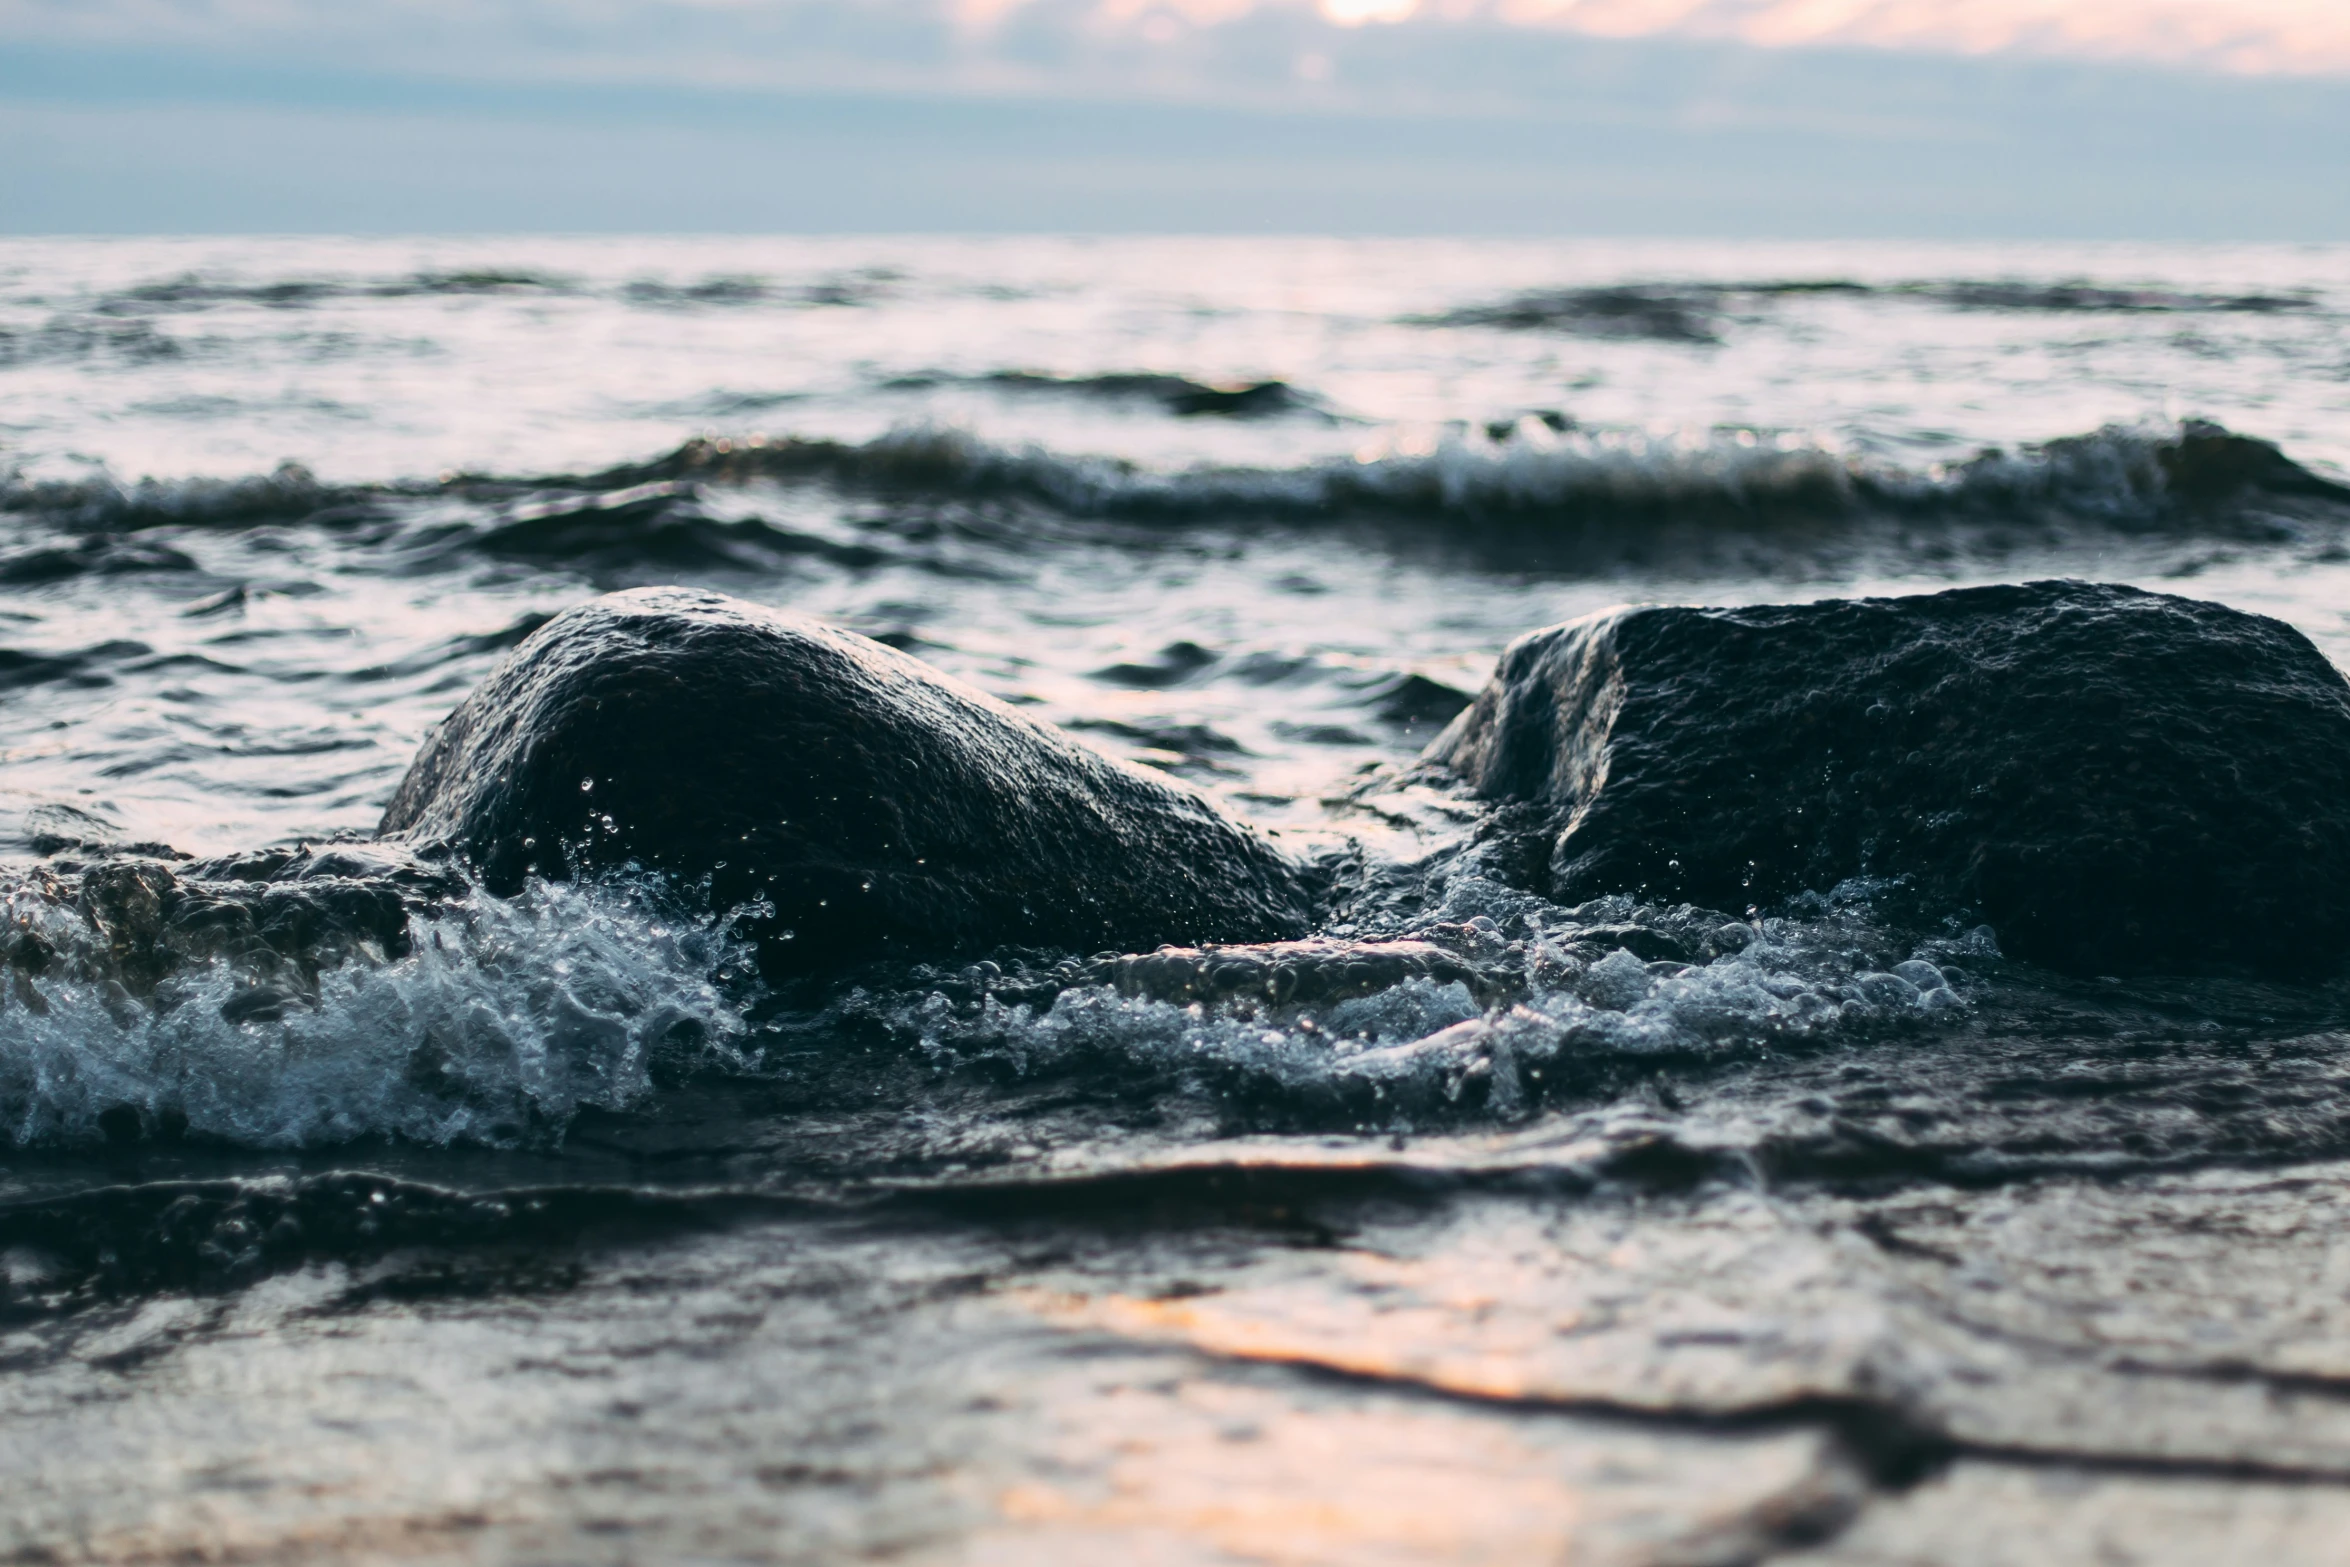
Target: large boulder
column 2118, row 781
column 880, row 807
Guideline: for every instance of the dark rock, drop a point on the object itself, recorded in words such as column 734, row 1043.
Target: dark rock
column 279, row 917
column 880, row 807
column 2119, row 781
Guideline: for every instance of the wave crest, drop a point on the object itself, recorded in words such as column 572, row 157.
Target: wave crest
column 2195, row 475
column 1536, row 480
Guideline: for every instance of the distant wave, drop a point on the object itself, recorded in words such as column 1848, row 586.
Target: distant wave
column 196, row 291
column 2195, row 478
column 865, row 286
column 119, row 325
column 81, row 337
column 2008, row 294
column 289, row 493
column 1176, row 394
column 1671, row 315
column 1692, row 312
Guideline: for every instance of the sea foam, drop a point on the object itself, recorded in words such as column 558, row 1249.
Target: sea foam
column 506, row 1018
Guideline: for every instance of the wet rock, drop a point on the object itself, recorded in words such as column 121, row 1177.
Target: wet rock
column 279, row 917
column 2119, row 781
column 879, row 807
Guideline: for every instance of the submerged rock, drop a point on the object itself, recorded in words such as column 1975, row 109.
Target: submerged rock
column 879, row 807
column 2119, row 781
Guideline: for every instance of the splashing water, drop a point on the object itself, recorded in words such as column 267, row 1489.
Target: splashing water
column 505, row 1019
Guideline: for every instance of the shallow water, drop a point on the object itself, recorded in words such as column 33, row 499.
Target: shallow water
column 1626, row 1233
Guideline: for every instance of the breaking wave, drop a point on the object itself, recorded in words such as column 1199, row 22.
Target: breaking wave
column 2193, row 478
column 2195, row 475
column 500, row 1022
column 1842, row 1036
column 461, row 1017
column 1477, row 1016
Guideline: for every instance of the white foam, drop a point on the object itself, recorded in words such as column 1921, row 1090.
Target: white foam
column 508, row 1018
column 1418, row 1047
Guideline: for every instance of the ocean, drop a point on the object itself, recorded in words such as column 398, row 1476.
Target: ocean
column 554, row 1232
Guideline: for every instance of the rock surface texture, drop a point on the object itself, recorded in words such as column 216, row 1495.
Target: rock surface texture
column 280, row 917
column 882, row 808
column 2118, row 781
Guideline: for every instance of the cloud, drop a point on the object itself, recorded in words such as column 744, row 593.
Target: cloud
column 2248, row 36
column 1466, row 116
column 1201, row 46
column 1354, row 13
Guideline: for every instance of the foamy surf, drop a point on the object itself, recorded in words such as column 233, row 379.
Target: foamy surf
column 502, row 1020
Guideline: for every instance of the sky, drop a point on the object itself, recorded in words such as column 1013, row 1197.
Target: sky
column 2123, row 119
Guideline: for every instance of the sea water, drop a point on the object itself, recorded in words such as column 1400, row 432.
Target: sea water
column 1672, row 1235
